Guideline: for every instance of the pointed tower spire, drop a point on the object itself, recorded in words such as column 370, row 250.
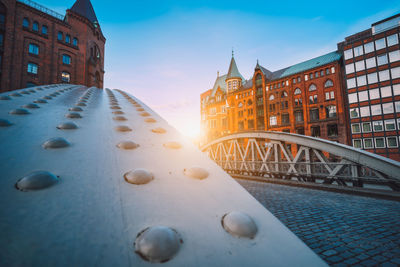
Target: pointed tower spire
column 233, row 71
column 85, row 9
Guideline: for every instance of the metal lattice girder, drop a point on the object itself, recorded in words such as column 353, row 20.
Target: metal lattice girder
column 122, row 180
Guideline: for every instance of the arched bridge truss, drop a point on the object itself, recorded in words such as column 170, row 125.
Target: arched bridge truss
column 302, row 158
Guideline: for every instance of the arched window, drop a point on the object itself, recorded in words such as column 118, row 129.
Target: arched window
column 240, row 105
column 284, row 94
column 35, row 26
column 65, row 77
column 75, row 42
column 249, row 102
column 312, row 87
column 25, row 23
column 297, row 91
column 328, row 83
column 271, row 97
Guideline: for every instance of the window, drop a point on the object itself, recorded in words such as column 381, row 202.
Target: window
column 75, row 42
column 395, row 72
column 328, row 83
column 376, row 110
column 374, row 94
column 349, row 68
column 390, row 125
column 361, row 80
column 370, row 62
column 315, row 131
column 65, row 77
column 294, row 80
column 368, row 143
column 297, row 91
column 298, row 102
column 314, row 114
column 369, row 47
column 355, row 128
column 360, row 65
column 372, row 78
column 272, row 120
column 330, row 111
column 322, row 73
column 298, row 116
column 32, row 68
column 386, row 91
column 348, row 54
column 284, row 105
column 351, row 83
column 25, row 23
column 35, row 26
column 328, row 71
column 362, row 96
column 354, row 113
column 332, row 95
column 333, row 130
column 312, row 87
column 378, row 126
column 353, row 98
column 285, row 118
column 388, row 108
column 327, row 96
column 313, row 99
column 357, row 143
column 316, row 74
column 396, row 89
column 381, row 43
column 358, row 51
column 364, row 111
column 44, row 29
column 397, row 104
column 306, row 77
column 384, row 75
column 271, row 97
column 394, row 56
column 392, row 40
column 272, row 107
column 60, row 36
column 68, row 38
column 391, row 141
column 284, row 94
column 311, row 76
column 380, row 142
column 298, row 79
column 66, row 59
column 366, row 127
column 33, row 49
column 382, row 59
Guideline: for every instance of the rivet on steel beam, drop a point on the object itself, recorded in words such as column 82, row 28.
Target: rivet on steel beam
column 127, row 145
column 76, row 109
column 40, row 101
column 159, row 130
column 47, row 97
column 196, row 172
column 20, row 111
column 32, row 91
column 56, row 142
column 5, row 123
column 67, row 126
column 145, row 114
column 138, row 176
column 118, row 112
column 239, row 224
column 36, row 181
column 115, row 107
column 157, row 244
column 123, row 128
column 25, row 93
column 140, row 109
column 80, row 104
column 173, row 145
column 73, row 115
column 150, row 120
column 5, row 97
column 31, row 105
column 16, row 95
column 120, row 118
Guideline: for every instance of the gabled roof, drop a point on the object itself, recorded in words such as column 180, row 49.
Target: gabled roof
column 219, row 82
column 233, row 71
column 85, row 9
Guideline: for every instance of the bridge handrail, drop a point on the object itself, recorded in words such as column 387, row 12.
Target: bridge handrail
column 384, row 165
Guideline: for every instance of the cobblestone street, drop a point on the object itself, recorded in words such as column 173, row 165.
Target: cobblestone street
column 342, row 229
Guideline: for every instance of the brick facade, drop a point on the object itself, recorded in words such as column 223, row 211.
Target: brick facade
column 66, row 48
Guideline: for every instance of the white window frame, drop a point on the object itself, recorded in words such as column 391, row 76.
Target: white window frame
column 361, row 143
column 352, row 130
column 372, row 143
column 384, row 143
column 390, row 122
column 387, row 142
column 370, row 127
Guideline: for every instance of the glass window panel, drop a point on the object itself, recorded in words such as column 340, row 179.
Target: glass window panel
column 380, row 142
column 368, row 143
column 372, row 78
column 388, row 108
column 358, row 51
column 395, row 72
column 355, row 128
column 386, row 91
column 360, row 65
column 384, row 75
column 349, row 68
column 394, row 56
column 370, row 62
column 353, row 98
column 332, row 94
column 357, row 143
column 366, row 127
column 397, row 104
column 390, row 125
column 351, row 83
column 361, row 80
column 369, row 47
column 376, row 110
column 381, row 43
column 363, row 96
column 374, row 94
column 391, row 141
column 392, row 40
column 378, row 126
column 364, row 111
column 354, row 113
column 382, row 59
column 272, row 120
column 348, row 54
column 396, row 89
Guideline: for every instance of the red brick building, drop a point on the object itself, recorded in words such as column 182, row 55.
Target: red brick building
column 39, row 46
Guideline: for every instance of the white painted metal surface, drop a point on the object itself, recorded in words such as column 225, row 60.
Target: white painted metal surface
column 93, row 216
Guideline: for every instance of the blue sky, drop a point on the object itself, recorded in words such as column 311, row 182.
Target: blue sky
column 168, row 52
